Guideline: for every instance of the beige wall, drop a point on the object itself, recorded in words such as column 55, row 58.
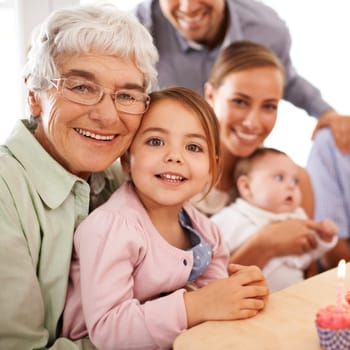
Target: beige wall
column 38, row 10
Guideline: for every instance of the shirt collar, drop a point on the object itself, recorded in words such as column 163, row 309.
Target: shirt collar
column 51, row 180
column 97, row 182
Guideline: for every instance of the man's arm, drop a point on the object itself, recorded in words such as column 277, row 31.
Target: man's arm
column 328, row 171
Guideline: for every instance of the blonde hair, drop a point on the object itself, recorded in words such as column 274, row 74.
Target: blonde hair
column 242, row 55
column 196, row 103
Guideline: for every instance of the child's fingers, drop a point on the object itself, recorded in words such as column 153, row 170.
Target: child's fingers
column 233, row 268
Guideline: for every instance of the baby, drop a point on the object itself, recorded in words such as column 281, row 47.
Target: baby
column 267, row 183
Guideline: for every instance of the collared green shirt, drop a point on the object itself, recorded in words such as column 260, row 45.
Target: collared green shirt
column 41, row 204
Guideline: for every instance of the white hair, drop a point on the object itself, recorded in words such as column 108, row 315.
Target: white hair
column 79, row 30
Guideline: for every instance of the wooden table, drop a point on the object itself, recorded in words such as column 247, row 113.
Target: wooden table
column 288, row 321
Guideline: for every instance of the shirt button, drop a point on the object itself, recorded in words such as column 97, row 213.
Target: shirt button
column 185, row 262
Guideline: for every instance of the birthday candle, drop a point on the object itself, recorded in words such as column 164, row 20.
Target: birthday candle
column 341, row 272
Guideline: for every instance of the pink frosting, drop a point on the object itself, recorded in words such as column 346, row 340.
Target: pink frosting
column 347, row 296
column 331, row 317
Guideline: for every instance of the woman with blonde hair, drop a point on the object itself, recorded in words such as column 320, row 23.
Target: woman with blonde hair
column 244, row 88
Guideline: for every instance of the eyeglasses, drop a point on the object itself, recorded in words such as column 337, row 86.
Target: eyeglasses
column 87, row 93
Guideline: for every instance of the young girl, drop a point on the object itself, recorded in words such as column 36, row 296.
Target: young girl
column 147, row 265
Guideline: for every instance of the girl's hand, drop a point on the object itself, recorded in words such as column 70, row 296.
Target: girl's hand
column 234, row 268
column 240, row 296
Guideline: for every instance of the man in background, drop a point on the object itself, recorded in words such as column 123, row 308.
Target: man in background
column 189, row 34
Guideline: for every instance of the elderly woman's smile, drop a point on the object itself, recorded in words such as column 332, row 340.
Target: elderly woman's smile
column 95, row 136
column 88, row 138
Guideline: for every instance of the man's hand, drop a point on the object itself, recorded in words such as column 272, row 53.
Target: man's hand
column 340, row 126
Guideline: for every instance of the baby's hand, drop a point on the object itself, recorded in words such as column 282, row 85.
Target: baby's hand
column 327, row 229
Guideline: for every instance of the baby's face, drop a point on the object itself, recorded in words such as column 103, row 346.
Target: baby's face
column 274, row 184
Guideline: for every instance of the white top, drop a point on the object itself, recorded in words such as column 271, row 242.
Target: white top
column 213, row 202
column 241, row 220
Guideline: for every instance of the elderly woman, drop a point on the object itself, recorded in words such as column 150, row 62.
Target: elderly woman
column 88, row 74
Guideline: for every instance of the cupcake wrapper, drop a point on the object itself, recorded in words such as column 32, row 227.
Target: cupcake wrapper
column 338, row 339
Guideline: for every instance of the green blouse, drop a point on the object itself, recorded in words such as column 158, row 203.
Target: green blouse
column 41, row 204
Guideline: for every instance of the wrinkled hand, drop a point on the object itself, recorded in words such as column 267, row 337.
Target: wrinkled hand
column 240, row 296
column 340, row 126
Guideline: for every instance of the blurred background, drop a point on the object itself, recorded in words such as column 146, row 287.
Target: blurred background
column 320, row 52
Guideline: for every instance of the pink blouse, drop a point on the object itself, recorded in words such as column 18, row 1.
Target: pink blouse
column 126, row 282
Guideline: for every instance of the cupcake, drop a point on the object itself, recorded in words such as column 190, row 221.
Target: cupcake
column 347, row 297
column 333, row 327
